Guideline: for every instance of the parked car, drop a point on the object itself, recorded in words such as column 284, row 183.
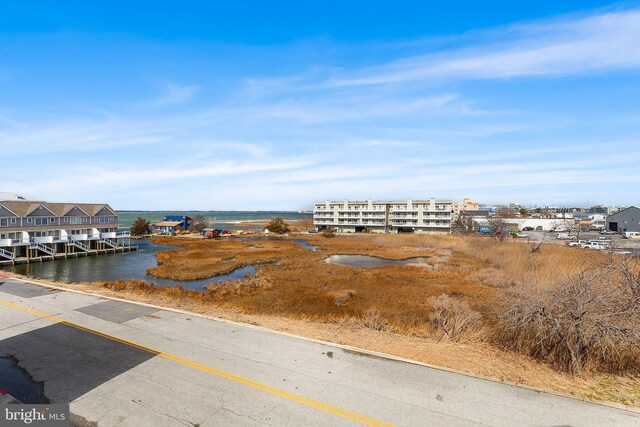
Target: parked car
column 593, row 244
column 560, row 229
column 631, row 235
column 527, row 229
column 566, row 236
column 522, row 235
column 577, row 243
column 313, row 230
column 607, row 232
column 483, row 229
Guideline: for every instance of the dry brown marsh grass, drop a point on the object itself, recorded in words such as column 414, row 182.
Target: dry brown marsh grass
column 470, row 271
column 386, row 309
column 471, row 268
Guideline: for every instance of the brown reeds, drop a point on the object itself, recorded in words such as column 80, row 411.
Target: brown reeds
column 467, row 274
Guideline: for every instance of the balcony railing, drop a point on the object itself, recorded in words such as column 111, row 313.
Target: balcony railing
column 394, row 210
column 43, row 239
column 6, row 254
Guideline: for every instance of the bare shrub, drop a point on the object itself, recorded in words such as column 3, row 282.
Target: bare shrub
column 464, row 224
column 372, row 319
column 497, row 227
column 342, row 297
column 625, row 268
column 452, row 317
column 277, row 226
column 535, row 247
column 329, row 232
column 589, row 320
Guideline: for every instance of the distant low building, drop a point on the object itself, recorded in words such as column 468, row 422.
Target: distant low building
column 12, row 197
column 599, row 209
column 541, row 224
column 477, row 213
column 172, row 223
column 465, row 205
column 624, row 220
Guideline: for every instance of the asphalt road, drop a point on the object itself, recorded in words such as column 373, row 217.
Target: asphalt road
column 617, row 240
column 123, row 364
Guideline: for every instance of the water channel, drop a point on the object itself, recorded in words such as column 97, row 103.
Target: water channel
column 366, row 261
column 121, row 266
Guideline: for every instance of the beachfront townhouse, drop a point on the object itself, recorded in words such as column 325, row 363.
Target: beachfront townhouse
column 31, row 230
column 410, row 216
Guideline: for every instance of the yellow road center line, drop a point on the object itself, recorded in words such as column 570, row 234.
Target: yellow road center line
column 211, row 370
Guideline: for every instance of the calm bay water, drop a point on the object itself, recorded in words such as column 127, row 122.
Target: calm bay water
column 120, row 266
column 134, row 265
column 218, row 219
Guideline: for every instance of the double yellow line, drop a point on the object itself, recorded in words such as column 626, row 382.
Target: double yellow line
column 211, row 370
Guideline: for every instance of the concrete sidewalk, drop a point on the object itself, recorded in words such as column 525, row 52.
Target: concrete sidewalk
column 127, row 364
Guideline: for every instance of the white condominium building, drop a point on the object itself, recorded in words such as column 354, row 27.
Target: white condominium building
column 411, row 216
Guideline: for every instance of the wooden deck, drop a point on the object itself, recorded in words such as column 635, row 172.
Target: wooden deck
column 43, row 258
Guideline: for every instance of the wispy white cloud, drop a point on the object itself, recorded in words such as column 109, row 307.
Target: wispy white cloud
column 555, row 48
column 174, row 94
column 408, row 128
column 77, row 136
column 234, row 147
column 97, row 176
column 379, row 143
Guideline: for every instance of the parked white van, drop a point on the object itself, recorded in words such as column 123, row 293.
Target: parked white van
column 631, row 235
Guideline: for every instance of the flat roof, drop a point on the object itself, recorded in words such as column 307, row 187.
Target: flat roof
column 384, row 202
column 168, row 224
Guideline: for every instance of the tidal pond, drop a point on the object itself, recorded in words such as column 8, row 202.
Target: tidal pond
column 366, row 261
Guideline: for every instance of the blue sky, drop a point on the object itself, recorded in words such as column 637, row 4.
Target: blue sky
column 274, row 105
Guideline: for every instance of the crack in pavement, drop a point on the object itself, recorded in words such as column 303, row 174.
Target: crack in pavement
column 180, row 420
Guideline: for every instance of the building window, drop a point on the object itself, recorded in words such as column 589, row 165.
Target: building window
column 14, row 220
column 29, row 220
